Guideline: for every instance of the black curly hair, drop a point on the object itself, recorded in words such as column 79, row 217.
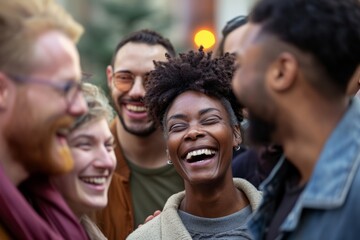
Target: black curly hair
column 327, row 29
column 195, row 71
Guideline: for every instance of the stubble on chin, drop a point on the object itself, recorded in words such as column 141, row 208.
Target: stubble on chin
column 145, row 131
column 138, row 129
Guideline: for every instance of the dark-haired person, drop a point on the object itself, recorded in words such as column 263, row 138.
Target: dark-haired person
column 142, row 180
column 191, row 97
column 295, row 64
column 253, row 163
column 232, row 31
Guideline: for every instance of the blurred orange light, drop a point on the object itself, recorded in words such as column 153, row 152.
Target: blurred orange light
column 204, row 38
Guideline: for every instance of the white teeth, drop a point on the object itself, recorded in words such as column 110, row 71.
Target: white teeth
column 199, row 152
column 136, row 108
column 94, row 180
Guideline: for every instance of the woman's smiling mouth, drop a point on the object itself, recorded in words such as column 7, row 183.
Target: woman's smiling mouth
column 199, row 155
column 94, row 180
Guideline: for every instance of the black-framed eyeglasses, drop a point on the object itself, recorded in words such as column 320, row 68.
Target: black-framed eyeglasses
column 123, row 81
column 69, row 89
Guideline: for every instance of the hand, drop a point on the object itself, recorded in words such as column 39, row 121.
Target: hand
column 156, row 213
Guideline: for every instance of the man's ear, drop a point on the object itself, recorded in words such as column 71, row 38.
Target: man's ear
column 282, row 73
column 109, row 75
column 4, row 91
column 237, row 139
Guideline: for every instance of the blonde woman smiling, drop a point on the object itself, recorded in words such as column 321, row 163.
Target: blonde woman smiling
column 91, row 143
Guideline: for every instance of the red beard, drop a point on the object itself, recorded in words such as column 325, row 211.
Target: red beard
column 32, row 140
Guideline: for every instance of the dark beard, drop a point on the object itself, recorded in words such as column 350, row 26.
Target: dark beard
column 260, row 131
column 139, row 133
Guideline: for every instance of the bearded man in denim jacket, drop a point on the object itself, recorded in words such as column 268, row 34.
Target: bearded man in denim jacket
column 295, row 63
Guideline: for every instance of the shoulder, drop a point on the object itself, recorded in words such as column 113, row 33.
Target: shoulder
column 167, row 225
column 354, row 194
column 174, row 201
column 245, row 160
column 150, row 230
column 254, row 196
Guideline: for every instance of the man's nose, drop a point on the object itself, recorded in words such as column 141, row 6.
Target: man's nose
column 137, row 90
column 105, row 159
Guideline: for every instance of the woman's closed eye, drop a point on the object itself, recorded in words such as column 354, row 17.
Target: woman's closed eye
column 110, row 146
column 84, row 145
column 211, row 120
column 177, row 127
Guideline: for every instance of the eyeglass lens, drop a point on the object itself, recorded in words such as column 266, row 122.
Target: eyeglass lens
column 125, row 81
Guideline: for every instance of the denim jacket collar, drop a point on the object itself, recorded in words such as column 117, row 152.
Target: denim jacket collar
column 338, row 162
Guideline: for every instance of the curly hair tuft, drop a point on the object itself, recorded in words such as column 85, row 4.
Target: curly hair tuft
column 196, row 71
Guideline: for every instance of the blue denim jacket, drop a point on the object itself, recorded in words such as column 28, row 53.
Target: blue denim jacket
column 329, row 206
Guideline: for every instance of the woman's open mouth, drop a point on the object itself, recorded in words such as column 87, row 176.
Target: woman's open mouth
column 199, row 155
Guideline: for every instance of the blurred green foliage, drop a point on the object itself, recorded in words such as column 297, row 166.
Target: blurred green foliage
column 106, row 22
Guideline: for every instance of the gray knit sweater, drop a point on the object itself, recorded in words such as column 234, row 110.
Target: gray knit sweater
column 168, row 224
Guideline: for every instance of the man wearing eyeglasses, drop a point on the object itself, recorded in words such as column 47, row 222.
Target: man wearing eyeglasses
column 40, row 98
column 143, row 180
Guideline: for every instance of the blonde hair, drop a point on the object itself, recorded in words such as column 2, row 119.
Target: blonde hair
column 98, row 105
column 21, row 22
